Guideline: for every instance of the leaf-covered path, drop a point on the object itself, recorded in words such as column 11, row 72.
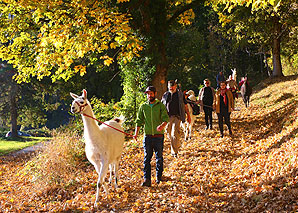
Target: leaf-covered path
column 253, row 171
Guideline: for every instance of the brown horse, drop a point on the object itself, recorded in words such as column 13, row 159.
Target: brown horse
column 246, row 92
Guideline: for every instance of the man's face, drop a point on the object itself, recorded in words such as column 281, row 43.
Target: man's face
column 173, row 88
column 151, row 96
column 206, row 83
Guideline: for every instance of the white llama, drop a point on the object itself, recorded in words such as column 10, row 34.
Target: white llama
column 103, row 144
column 187, row 127
column 234, row 74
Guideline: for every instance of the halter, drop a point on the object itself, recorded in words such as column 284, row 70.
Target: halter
column 82, row 107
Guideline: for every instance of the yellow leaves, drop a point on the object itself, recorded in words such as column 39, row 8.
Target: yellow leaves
column 186, row 17
column 80, row 69
column 67, row 34
column 107, row 60
column 122, row 1
column 113, row 45
column 223, row 19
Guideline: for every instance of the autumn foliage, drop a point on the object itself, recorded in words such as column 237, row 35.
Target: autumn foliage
column 253, row 171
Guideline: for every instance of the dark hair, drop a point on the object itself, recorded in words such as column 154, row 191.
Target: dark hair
column 172, row 82
column 150, row 88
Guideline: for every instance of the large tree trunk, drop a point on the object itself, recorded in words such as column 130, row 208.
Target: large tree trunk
column 277, row 69
column 160, row 77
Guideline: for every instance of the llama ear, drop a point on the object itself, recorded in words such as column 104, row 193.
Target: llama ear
column 73, row 95
column 84, row 94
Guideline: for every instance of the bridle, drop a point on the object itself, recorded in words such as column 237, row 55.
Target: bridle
column 81, row 106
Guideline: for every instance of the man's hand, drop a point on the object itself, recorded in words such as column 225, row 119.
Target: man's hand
column 161, row 126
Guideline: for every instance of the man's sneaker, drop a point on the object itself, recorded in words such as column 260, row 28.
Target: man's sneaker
column 146, row 183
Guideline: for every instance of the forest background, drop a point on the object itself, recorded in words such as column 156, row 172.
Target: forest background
column 115, row 49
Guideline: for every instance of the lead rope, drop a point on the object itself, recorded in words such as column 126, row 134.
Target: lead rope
column 109, row 126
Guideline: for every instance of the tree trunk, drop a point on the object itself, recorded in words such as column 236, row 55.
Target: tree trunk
column 277, row 69
column 159, row 80
column 13, row 109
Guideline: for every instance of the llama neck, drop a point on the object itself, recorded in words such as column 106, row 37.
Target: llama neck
column 89, row 123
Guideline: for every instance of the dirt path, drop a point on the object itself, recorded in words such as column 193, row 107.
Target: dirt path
column 27, row 150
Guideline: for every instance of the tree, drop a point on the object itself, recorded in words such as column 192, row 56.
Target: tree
column 154, row 20
column 268, row 25
column 8, row 97
column 30, row 105
column 51, row 38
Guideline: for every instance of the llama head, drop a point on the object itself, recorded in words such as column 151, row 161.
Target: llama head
column 79, row 103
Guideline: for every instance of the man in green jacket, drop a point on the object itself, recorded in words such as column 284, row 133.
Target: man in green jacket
column 153, row 115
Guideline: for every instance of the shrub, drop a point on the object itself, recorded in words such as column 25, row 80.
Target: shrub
column 57, row 163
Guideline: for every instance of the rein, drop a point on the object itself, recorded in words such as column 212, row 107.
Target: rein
column 108, row 125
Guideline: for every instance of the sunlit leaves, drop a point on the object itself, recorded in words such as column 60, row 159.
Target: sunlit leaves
column 187, row 17
column 255, row 4
column 61, row 34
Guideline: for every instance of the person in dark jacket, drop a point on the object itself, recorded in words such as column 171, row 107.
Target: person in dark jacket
column 220, row 78
column 206, row 97
column 153, row 115
column 176, row 105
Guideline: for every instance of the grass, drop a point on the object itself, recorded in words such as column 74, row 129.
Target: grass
column 8, row 145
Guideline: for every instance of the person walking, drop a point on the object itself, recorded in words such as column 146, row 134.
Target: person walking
column 206, row 98
column 224, row 105
column 154, row 117
column 219, row 78
column 176, row 106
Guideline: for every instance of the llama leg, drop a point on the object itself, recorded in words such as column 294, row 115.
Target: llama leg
column 186, row 130
column 111, row 172
column 101, row 175
column 116, row 167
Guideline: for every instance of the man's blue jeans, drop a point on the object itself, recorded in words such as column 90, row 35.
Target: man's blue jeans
column 153, row 144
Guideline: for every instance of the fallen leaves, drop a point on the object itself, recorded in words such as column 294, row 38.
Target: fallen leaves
column 255, row 170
